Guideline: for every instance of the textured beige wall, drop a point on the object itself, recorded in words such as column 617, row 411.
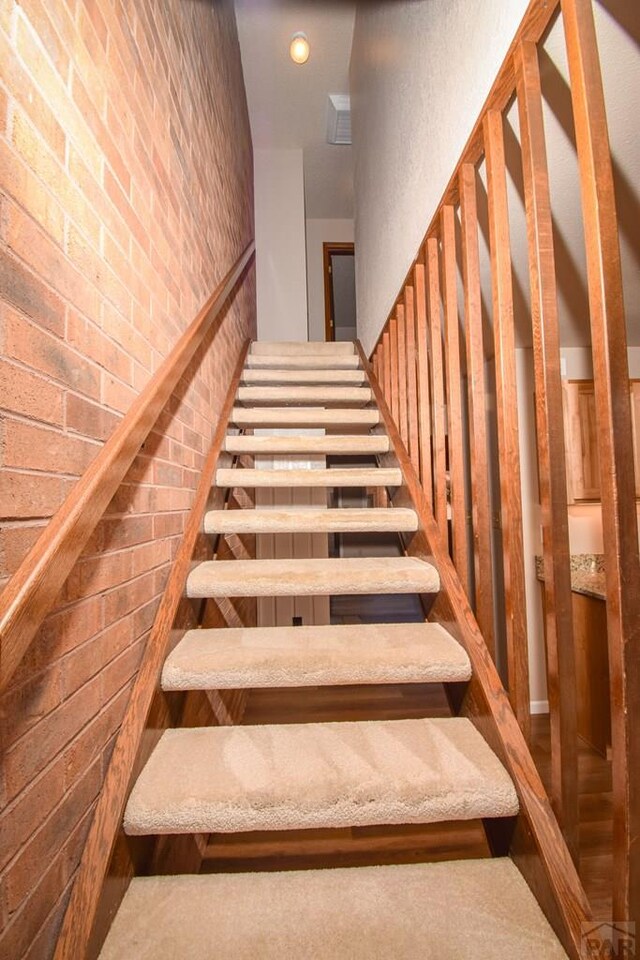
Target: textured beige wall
column 420, row 72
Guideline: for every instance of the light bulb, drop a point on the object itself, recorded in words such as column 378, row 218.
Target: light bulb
column 299, row 48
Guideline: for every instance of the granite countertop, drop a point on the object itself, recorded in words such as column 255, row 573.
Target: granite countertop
column 587, row 574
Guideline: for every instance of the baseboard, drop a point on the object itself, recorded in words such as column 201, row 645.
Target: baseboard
column 539, row 706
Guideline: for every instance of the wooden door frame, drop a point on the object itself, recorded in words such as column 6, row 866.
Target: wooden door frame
column 330, row 249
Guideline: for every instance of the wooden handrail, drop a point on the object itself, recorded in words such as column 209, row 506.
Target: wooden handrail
column 80, row 917
column 32, row 590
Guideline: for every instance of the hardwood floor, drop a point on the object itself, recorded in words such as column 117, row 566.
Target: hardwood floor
column 596, row 824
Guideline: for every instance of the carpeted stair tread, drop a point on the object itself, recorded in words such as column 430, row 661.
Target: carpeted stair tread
column 279, row 376
column 331, row 477
column 298, row 395
column 335, row 444
column 326, row 362
column 250, row 657
column 302, row 348
column 315, row 577
column 455, row 910
column 305, row 417
column 299, row 776
column 312, row 520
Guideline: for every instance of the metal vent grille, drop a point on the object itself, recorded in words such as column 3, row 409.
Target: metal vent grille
column 339, row 118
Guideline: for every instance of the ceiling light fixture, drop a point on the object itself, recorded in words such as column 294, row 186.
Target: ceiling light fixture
column 299, row 48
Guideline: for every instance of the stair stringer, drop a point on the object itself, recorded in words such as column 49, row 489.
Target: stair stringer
column 110, row 859
column 536, row 845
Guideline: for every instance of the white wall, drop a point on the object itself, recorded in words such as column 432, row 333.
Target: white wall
column 319, row 232
column 281, row 269
column 420, row 72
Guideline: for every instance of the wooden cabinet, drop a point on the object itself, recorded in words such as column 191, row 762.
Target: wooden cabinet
column 581, row 436
column 593, row 703
column 592, row 671
column 583, row 465
column 635, row 425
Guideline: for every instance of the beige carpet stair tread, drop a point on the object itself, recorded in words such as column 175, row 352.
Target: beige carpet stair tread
column 262, row 375
column 303, row 775
column 326, row 362
column 297, row 395
column 332, row 477
column 316, row 577
column 455, row 910
column 302, row 348
column 335, row 444
column 311, row 520
column 241, row 658
column 304, row 417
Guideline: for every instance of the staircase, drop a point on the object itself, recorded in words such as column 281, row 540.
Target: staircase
column 224, row 779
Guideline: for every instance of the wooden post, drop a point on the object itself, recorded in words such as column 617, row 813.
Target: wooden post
column 403, row 422
column 561, row 676
column 611, row 376
column 393, row 337
column 454, row 395
column 412, row 381
column 386, row 343
column 437, row 389
column 424, row 396
column 481, row 507
column 507, row 419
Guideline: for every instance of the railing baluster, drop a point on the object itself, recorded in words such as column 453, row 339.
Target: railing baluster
column 386, row 342
column 437, row 388
column 412, row 381
column 481, row 507
column 424, row 396
column 611, row 375
column 393, row 336
column 402, row 376
column 507, row 420
column 454, row 396
column 551, row 446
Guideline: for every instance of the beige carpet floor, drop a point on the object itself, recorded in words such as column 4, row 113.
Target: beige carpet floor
column 292, row 776
column 460, row 910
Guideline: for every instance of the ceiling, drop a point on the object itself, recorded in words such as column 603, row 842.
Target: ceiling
column 287, row 102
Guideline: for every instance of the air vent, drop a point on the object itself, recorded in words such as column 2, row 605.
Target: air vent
column 339, row 118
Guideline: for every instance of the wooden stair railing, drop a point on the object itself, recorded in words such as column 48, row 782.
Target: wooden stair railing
column 427, row 299
column 32, row 590
column 536, row 841
column 95, row 896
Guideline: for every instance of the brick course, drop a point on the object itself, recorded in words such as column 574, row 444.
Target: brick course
column 125, row 195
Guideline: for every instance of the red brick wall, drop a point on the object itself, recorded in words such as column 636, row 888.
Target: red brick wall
column 125, row 195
